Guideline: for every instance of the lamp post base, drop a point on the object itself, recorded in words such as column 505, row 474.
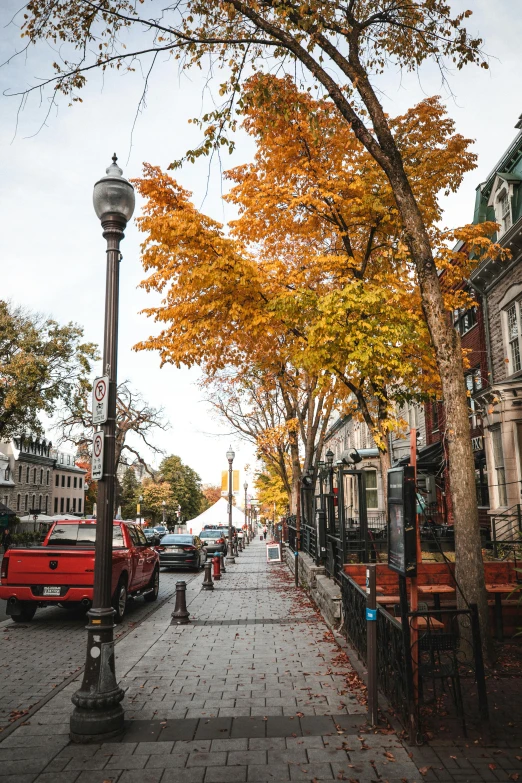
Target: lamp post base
column 231, row 560
column 98, row 715
column 88, row 726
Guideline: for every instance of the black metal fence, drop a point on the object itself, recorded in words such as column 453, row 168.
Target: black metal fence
column 308, row 537
column 506, row 531
column 433, row 667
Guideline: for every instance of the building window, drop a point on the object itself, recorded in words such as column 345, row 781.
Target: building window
column 434, row 416
column 57, row 480
column 473, row 380
column 6, row 499
column 63, row 480
column 68, row 504
column 46, row 503
column 68, row 481
column 56, row 505
column 40, row 502
column 503, row 211
column 80, row 505
column 74, row 505
column 26, row 502
column 47, row 478
column 464, row 320
column 80, row 482
column 34, row 501
column 27, row 476
column 61, row 458
column 498, row 461
column 61, row 505
column 514, row 336
column 75, row 482
column 34, row 475
column 372, row 499
column 19, row 474
column 18, row 502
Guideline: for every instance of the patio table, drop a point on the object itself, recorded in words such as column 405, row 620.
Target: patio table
column 436, row 591
column 498, row 591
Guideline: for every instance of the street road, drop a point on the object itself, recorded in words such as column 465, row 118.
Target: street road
column 38, row 656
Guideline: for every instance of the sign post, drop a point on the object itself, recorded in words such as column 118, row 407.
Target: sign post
column 371, row 644
column 100, row 400
column 97, row 455
column 402, row 557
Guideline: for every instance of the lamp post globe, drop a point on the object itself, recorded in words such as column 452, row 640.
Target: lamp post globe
column 230, row 457
column 98, row 714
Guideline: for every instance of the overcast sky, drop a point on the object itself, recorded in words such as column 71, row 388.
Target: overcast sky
column 51, row 248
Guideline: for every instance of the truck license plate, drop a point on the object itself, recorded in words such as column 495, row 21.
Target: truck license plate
column 52, row 591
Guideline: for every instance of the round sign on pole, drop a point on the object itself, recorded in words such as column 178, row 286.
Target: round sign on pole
column 100, row 389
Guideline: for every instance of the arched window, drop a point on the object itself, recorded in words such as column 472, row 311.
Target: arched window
column 27, row 476
column 26, row 502
column 372, row 496
column 41, row 475
column 34, row 475
column 47, row 478
column 18, row 502
column 19, row 474
column 7, row 473
column 40, row 502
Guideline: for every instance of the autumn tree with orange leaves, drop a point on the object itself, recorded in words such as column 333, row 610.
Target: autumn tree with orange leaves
column 344, row 47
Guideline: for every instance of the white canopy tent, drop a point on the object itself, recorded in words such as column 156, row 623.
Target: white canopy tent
column 216, row 515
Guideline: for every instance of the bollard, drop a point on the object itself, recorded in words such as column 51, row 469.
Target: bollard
column 240, row 544
column 216, row 562
column 208, row 584
column 222, row 558
column 180, row 615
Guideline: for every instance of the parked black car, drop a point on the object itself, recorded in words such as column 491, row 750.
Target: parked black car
column 214, row 540
column 179, row 550
column 151, row 535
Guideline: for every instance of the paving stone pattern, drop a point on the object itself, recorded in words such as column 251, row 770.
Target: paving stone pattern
column 238, row 702
column 38, row 656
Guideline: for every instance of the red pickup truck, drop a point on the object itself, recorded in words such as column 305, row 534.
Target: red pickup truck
column 61, row 570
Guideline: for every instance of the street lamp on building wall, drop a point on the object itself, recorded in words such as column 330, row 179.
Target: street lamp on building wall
column 230, row 457
column 98, row 714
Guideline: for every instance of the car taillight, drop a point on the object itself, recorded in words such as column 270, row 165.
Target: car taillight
column 5, row 567
column 159, row 548
column 189, row 548
column 220, row 541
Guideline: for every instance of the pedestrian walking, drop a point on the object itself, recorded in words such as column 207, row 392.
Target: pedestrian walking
column 6, row 539
column 265, row 531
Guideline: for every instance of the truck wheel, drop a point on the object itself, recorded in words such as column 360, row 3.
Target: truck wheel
column 27, row 613
column 152, row 595
column 119, row 601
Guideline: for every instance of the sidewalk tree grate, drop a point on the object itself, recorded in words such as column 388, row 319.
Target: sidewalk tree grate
column 238, row 728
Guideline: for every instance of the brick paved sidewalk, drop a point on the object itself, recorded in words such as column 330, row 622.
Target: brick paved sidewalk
column 254, row 689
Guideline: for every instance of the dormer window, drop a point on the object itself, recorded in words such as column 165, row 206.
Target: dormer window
column 501, row 198
column 503, row 211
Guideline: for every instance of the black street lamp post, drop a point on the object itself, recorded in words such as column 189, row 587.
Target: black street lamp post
column 98, row 714
column 247, row 531
column 230, row 559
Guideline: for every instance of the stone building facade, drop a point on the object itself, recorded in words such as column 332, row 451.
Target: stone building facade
column 29, row 463
column 68, row 489
column 499, row 284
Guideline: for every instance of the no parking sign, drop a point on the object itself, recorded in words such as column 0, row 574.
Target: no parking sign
column 97, row 456
column 100, row 400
